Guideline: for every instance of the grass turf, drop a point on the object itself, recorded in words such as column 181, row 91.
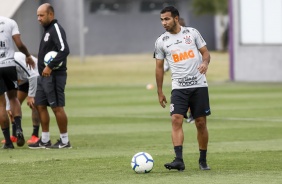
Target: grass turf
column 112, row 116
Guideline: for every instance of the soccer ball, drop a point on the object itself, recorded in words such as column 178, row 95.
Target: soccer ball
column 49, row 57
column 142, row 162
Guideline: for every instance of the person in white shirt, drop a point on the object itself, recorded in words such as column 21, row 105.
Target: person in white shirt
column 10, row 36
column 27, row 85
column 188, row 57
column 190, row 118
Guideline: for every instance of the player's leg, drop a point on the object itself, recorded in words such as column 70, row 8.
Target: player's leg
column 11, row 119
column 58, row 109
column 22, row 94
column 45, row 135
column 4, row 121
column 35, row 124
column 178, row 109
column 41, row 104
column 61, row 119
column 21, row 97
column 203, row 138
column 200, row 109
column 17, row 114
column 11, row 84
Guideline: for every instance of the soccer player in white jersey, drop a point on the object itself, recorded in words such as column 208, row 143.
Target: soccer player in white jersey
column 27, row 82
column 188, row 57
column 10, row 35
column 190, row 118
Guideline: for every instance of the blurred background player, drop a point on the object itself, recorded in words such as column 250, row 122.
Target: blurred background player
column 190, row 118
column 10, row 36
column 27, row 82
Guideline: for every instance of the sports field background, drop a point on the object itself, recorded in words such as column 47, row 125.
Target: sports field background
column 112, row 116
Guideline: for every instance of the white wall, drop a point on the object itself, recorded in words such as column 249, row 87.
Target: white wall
column 255, row 45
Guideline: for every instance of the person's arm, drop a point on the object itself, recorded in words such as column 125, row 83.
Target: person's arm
column 31, row 91
column 60, row 40
column 159, row 81
column 205, row 60
column 20, row 45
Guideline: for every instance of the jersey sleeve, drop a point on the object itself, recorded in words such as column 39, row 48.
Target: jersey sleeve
column 199, row 40
column 33, row 72
column 159, row 52
column 14, row 27
column 60, row 40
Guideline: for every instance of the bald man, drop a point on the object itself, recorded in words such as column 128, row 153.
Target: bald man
column 52, row 80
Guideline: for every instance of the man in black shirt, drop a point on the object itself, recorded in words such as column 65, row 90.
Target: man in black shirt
column 52, row 79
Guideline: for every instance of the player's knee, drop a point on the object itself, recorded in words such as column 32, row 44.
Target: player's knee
column 177, row 120
column 200, row 123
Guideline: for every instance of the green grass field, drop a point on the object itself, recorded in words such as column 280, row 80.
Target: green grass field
column 112, row 116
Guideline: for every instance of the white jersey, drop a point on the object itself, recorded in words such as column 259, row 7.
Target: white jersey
column 181, row 51
column 25, row 73
column 8, row 28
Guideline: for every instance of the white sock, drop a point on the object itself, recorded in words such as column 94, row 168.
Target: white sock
column 45, row 137
column 65, row 138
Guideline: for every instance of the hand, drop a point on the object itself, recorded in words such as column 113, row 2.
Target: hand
column 203, row 68
column 30, row 102
column 46, row 72
column 162, row 100
column 29, row 62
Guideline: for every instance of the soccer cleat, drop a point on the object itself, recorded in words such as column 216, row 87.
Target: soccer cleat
column 13, row 139
column 32, row 140
column 177, row 163
column 204, row 166
column 59, row 145
column 39, row 144
column 20, row 137
column 8, row 146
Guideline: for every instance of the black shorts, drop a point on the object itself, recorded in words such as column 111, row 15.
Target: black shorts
column 24, row 87
column 8, row 79
column 195, row 98
column 51, row 91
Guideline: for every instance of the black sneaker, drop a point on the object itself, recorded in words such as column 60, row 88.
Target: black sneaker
column 204, row 166
column 20, row 137
column 39, row 145
column 8, row 146
column 59, row 145
column 177, row 163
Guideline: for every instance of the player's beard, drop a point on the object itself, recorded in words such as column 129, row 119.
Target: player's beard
column 172, row 28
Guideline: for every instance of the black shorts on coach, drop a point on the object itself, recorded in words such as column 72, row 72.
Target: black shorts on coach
column 195, row 98
column 51, row 91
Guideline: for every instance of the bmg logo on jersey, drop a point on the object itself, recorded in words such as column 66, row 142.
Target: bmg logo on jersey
column 182, row 55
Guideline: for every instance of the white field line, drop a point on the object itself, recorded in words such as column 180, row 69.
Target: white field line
column 167, row 117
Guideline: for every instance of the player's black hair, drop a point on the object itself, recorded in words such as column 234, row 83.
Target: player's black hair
column 174, row 12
